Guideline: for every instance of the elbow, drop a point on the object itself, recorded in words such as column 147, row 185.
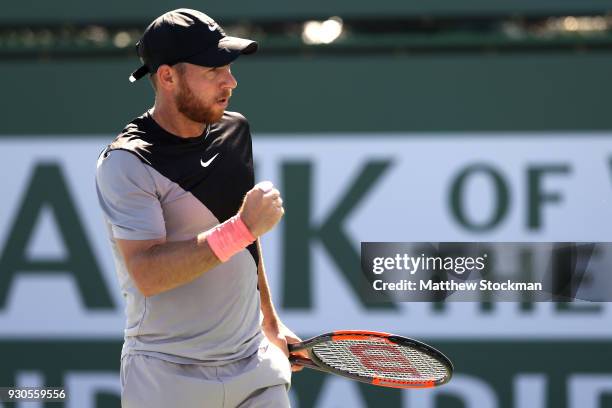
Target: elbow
column 146, row 291
column 142, row 265
column 142, row 281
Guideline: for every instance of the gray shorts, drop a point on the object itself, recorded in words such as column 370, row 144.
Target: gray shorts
column 261, row 380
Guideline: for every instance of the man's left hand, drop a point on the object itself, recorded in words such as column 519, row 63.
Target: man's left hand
column 280, row 335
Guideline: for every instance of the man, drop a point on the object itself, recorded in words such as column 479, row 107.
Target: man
column 176, row 188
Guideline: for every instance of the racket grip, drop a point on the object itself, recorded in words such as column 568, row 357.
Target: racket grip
column 305, row 362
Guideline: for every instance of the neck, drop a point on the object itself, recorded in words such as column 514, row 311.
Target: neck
column 173, row 121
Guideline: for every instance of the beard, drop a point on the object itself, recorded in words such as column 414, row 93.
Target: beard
column 195, row 109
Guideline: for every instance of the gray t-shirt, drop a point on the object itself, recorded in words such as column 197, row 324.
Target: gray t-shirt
column 152, row 184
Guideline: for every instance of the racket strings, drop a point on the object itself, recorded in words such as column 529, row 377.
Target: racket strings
column 376, row 359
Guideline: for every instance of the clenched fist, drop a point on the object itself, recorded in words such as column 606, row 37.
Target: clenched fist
column 262, row 208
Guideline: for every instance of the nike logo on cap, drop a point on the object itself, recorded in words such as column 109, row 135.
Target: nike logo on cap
column 207, row 162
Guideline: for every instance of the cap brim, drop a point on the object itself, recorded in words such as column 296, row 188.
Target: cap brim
column 228, row 50
column 139, row 73
column 242, row 45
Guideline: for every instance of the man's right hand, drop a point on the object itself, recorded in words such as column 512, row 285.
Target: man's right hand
column 262, row 208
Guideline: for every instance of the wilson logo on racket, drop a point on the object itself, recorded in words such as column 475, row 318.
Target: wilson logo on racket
column 376, row 358
column 384, row 358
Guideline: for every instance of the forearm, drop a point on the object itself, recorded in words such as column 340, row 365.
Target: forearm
column 270, row 316
column 273, row 328
column 168, row 265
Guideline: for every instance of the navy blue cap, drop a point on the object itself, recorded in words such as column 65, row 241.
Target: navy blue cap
column 185, row 35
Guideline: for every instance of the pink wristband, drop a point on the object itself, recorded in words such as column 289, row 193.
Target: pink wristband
column 228, row 238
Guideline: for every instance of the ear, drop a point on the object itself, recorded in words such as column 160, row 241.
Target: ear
column 167, row 77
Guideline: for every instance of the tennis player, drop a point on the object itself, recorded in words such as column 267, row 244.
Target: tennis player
column 184, row 219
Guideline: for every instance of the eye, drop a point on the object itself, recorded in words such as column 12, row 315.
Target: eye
column 211, row 73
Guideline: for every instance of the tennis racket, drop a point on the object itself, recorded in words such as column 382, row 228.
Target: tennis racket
column 376, row 358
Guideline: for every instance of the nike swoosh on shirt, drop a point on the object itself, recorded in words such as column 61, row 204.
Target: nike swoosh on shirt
column 207, row 162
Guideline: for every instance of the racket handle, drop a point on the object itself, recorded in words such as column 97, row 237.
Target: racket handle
column 305, row 362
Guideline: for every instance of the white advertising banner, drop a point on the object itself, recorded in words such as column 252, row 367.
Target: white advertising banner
column 349, row 189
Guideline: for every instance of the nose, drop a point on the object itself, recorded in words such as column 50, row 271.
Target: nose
column 229, row 81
